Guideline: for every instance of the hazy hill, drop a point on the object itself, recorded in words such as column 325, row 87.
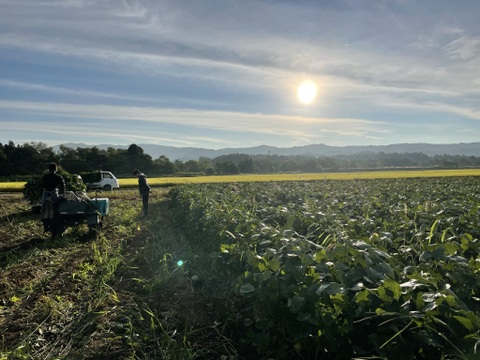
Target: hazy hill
column 193, row 153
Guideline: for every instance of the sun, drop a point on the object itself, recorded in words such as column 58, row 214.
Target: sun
column 306, row 92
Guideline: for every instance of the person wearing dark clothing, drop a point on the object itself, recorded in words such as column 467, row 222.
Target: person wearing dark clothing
column 53, row 181
column 144, row 190
column 53, row 186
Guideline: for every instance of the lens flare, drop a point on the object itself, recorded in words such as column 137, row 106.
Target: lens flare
column 179, row 262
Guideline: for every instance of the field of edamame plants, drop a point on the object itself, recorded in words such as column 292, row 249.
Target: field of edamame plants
column 330, row 269
column 346, row 269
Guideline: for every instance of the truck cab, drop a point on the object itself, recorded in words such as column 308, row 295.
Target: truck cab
column 107, row 182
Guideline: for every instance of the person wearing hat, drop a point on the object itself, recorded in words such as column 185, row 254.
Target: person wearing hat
column 144, row 189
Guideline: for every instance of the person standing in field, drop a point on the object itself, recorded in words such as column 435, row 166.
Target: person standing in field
column 144, row 189
column 53, row 185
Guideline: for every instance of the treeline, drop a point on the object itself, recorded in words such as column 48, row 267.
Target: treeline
column 32, row 158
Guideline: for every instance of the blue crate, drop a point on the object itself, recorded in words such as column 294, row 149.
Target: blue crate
column 102, row 205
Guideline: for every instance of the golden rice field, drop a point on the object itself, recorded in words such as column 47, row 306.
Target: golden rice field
column 306, row 176
column 163, row 181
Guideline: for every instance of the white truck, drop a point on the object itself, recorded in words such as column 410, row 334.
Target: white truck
column 107, row 182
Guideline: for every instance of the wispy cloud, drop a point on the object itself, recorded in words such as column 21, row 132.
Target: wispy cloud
column 203, row 68
column 118, row 116
column 61, row 90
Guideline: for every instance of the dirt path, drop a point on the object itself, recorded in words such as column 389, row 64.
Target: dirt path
column 53, row 304
column 182, row 310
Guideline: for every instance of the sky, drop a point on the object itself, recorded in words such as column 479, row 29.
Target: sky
column 224, row 73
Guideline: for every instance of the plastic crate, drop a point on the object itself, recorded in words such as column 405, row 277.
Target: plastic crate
column 102, row 205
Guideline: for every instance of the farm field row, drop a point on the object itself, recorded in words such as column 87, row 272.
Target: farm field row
column 168, row 181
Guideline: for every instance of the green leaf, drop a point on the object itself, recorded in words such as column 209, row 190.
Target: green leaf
column 295, row 303
column 274, row 264
column 247, row 289
column 330, row 289
column 430, row 296
column 362, row 296
column 380, row 311
column 374, row 276
column 357, row 286
column 465, row 322
column 295, row 267
column 290, row 221
column 340, row 301
column 432, row 232
column 383, row 295
column 394, row 287
column 413, row 284
column 266, row 275
column 304, row 316
column 261, row 264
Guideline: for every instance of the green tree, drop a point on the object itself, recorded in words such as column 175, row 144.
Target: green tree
column 179, row 165
column 204, row 164
column 117, row 160
column 137, row 159
column 163, row 165
column 246, row 166
column 29, row 158
column 69, row 158
column 289, row 165
column 226, row 168
column 93, row 158
column 3, row 157
column 309, row 164
column 191, row 166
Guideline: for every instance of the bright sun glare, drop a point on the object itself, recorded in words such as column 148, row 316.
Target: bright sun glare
column 306, row 92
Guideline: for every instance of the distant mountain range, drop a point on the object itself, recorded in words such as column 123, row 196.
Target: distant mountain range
column 193, row 153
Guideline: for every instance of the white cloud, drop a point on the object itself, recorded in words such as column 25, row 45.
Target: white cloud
column 122, row 116
column 165, row 58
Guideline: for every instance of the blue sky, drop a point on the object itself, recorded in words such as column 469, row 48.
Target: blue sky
column 224, row 73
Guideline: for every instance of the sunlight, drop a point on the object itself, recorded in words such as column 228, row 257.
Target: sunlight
column 306, row 92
